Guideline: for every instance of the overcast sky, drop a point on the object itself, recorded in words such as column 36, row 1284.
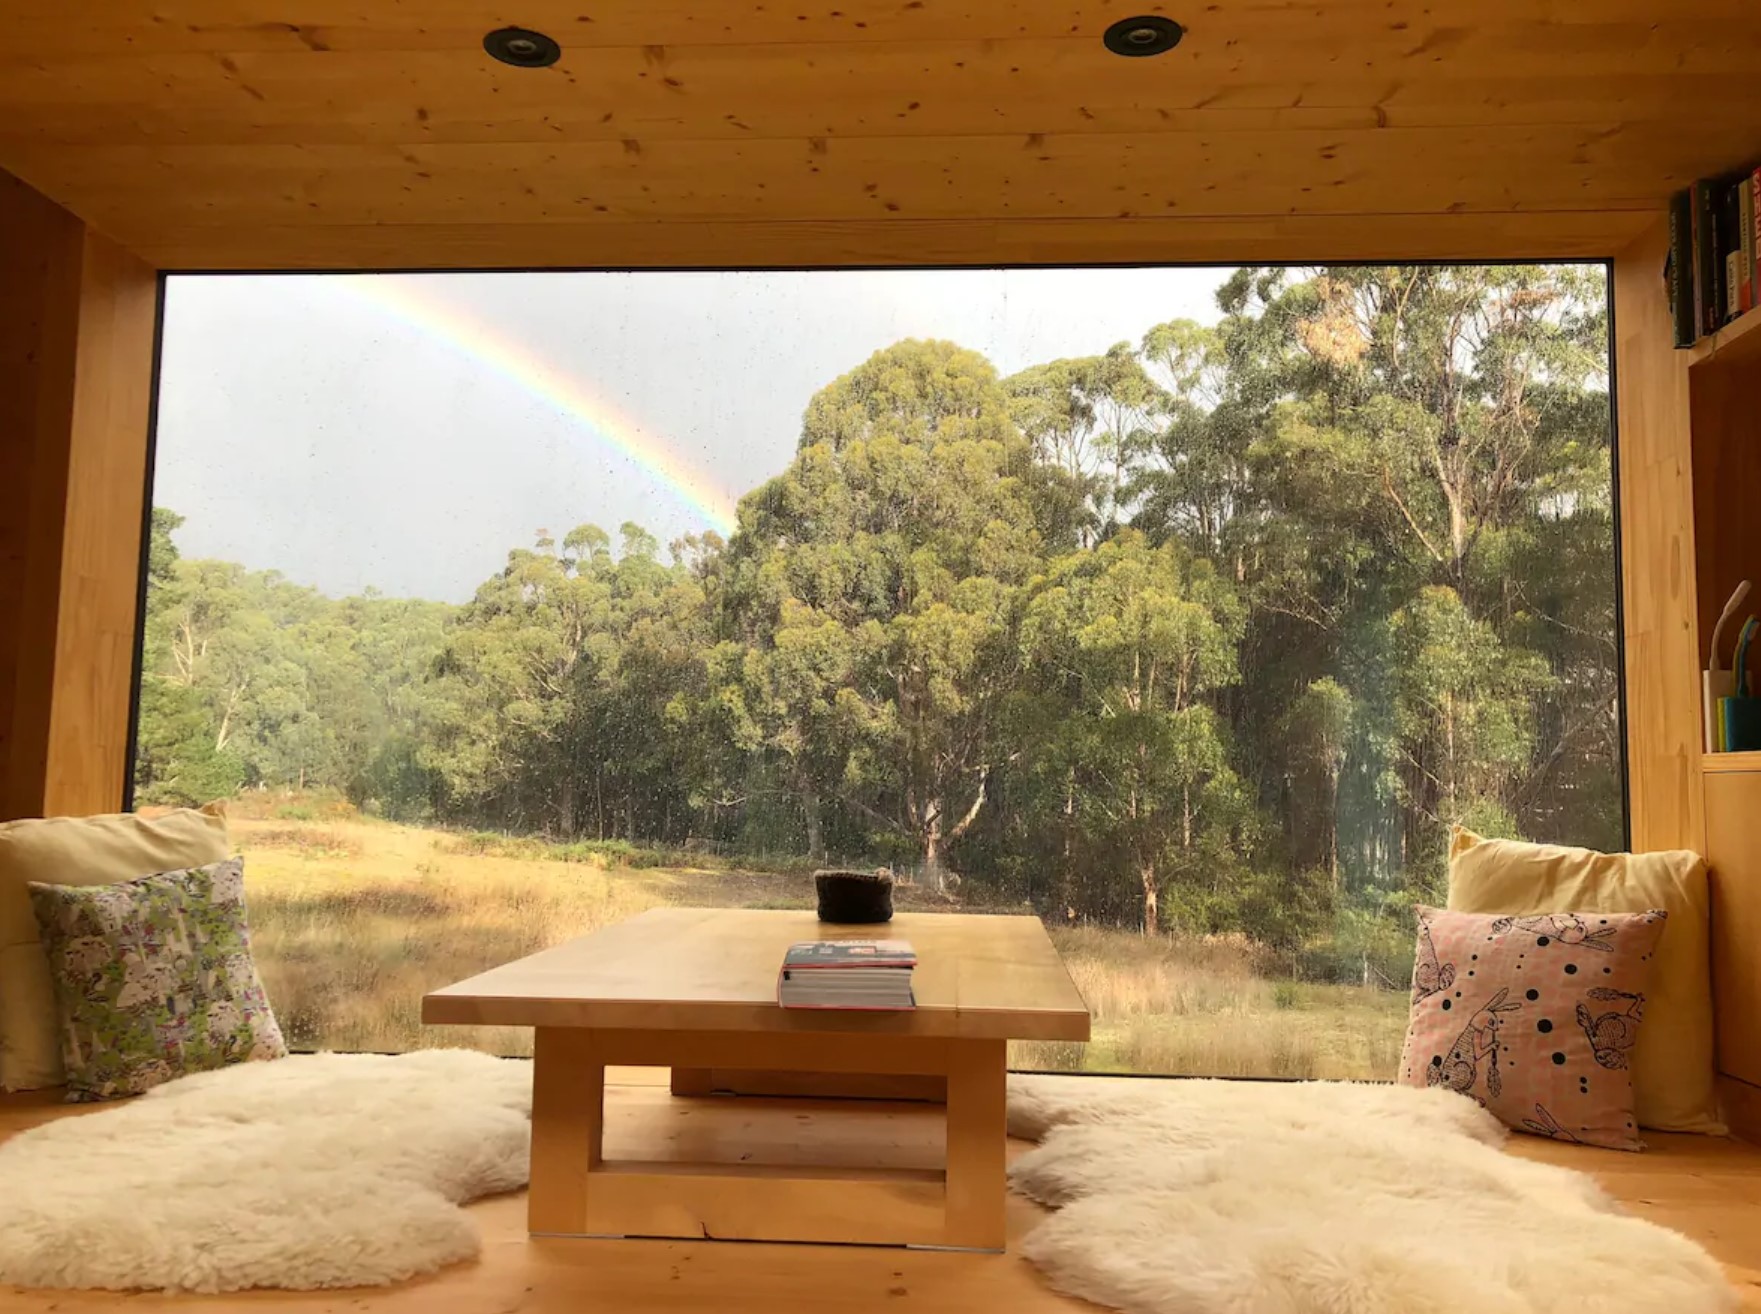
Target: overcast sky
column 306, row 427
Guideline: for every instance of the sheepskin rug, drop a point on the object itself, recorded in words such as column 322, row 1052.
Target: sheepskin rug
column 1213, row 1197
column 324, row 1170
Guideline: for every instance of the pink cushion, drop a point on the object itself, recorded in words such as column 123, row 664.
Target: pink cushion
column 1534, row 1017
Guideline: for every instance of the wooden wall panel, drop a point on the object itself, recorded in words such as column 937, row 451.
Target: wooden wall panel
column 1741, row 1103
column 40, row 246
column 1733, row 842
column 791, row 244
column 378, row 134
column 76, row 356
column 1732, row 799
column 1657, row 557
column 756, row 91
column 101, row 542
column 1106, row 175
column 1614, row 31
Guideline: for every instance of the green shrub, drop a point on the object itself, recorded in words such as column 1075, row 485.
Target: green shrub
column 1365, row 945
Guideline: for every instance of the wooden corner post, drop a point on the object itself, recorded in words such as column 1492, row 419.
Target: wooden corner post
column 77, row 324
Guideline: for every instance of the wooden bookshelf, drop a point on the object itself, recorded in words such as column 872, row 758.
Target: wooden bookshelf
column 1730, row 762
column 1738, row 340
column 1724, row 416
column 1723, row 378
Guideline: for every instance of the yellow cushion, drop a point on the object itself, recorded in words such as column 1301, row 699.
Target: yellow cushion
column 75, row 851
column 1672, row 1062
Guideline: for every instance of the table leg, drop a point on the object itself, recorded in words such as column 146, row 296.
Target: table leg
column 977, row 1186
column 568, row 1128
column 692, row 1081
column 575, row 1193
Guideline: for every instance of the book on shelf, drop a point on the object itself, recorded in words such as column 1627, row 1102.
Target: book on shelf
column 1730, row 246
column 1679, row 272
column 853, row 974
column 1707, row 266
column 1749, row 205
column 1714, row 246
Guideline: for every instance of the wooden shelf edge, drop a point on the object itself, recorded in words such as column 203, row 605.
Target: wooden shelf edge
column 1711, row 762
column 1744, row 330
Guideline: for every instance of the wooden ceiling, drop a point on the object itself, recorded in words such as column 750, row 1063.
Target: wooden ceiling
column 377, row 133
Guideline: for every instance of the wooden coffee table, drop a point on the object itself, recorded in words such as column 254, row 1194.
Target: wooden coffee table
column 694, row 989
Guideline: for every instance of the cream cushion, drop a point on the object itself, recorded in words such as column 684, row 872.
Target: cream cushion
column 1672, row 1063
column 75, row 851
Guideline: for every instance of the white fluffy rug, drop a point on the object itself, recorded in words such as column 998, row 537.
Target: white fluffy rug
column 324, row 1170
column 1211, row 1197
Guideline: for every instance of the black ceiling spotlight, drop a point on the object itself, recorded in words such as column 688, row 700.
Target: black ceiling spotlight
column 1150, row 35
column 522, row 48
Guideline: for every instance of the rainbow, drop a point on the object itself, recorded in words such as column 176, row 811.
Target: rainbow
column 496, row 350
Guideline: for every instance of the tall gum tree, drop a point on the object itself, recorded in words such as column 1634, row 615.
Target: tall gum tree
column 873, row 585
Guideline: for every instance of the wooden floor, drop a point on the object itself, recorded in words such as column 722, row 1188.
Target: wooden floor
column 1709, row 1189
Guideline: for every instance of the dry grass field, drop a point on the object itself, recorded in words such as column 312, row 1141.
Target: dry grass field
column 354, row 919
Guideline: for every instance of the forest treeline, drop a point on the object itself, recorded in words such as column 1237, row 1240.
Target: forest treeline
column 1219, row 629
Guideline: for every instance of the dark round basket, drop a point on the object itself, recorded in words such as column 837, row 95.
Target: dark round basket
column 854, row 898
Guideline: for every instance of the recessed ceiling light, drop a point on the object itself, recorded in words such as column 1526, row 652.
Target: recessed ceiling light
column 1150, row 35
column 522, row 48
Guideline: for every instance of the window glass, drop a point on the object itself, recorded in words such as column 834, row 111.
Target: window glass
column 1184, row 608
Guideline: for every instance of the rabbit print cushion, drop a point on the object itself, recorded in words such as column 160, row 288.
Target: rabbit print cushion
column 1534, row 1017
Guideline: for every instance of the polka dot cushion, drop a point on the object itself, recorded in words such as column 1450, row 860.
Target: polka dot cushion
column 1534, row 1017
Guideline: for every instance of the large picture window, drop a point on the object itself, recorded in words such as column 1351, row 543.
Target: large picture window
column 1184, row 608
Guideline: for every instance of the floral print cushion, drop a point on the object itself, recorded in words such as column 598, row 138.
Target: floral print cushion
column 1534, row 1017
column 154, row 979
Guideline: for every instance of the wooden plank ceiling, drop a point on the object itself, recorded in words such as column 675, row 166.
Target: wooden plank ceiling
column 377, row 133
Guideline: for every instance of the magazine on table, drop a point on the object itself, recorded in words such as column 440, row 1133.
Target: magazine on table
column 852, row 974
